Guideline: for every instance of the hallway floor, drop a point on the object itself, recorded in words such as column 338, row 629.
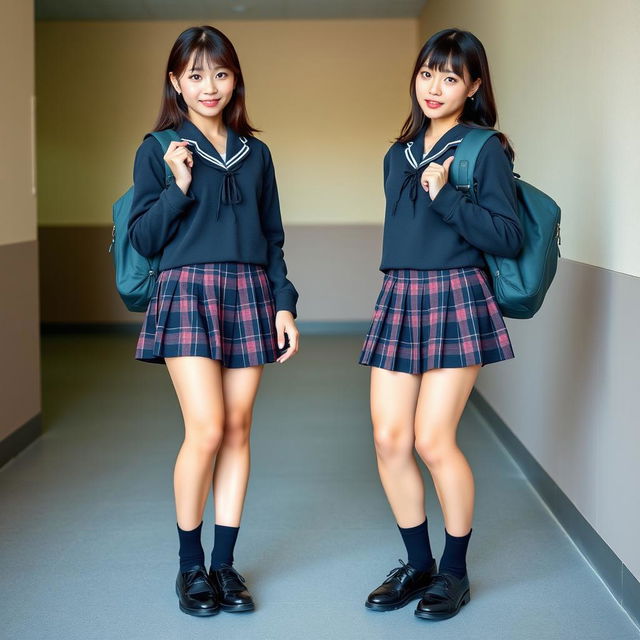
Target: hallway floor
column 88, row 542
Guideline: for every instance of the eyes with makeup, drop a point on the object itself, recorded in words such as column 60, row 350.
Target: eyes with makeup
column 450, row 79
column 220, row 75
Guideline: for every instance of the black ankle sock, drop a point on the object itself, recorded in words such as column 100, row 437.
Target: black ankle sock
column 454, row 557
column 225, row 541
column 191, row 552
column 416, row 540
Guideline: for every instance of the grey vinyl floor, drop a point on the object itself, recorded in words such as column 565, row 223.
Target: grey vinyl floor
column 88, row 539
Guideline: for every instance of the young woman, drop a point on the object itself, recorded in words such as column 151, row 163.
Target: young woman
column 223, row 306
column 436, row 321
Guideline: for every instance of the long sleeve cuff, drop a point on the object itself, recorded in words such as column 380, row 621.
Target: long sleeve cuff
column 286, row 301
column 176, row 199
column 446, row 202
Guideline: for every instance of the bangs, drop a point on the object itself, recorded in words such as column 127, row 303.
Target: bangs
column 445, row 54
column 459, row 52
column 210, row 51
column 197, row 48
column 204, row 54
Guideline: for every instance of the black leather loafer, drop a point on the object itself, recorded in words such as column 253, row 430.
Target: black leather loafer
column 230, row 589
column 444, row 597
column 403, row 584
column 195, row 594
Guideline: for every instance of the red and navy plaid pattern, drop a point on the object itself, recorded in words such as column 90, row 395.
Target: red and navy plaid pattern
column 219, row 310
column 430, row 319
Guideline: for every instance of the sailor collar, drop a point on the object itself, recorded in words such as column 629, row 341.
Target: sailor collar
column 237, row 146
column 413, row 154
column 414, row 148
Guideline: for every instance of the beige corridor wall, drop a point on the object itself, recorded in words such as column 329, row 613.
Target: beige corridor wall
column 325, row 93
column 18, row 205
column 20, row 372
column 567, row 86
column 328, row 94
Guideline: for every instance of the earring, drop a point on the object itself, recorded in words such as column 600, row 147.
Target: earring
column 472, row 97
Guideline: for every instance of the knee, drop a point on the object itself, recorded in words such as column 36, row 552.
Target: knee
column 205, row 436
column 390, row 442
column 237, row 427
column 434, row 450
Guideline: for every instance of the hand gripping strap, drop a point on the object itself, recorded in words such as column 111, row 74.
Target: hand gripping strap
column 165, row 137
column 464, row 160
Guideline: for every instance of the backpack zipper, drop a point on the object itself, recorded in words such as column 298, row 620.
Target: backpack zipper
column 113, row 238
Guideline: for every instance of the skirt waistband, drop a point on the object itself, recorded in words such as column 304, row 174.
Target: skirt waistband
column 430, row 274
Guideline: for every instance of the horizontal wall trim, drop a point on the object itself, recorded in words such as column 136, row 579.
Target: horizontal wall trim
column 109, row 225
column 596, row 266
column 20, row 439
column 334, row 268
column 53, row 328
column 620, row 581
column 328, row 327
column 14, row 243
column 105, row 228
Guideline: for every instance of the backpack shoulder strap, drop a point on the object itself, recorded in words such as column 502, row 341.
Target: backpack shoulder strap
column 165, row 137
column 465, row 157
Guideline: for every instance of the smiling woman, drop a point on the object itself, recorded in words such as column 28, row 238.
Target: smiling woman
column 223, row 305
column 194, row 51
column 436, row 320
column 454, row 74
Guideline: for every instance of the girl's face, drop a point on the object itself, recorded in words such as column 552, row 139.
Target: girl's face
column 442, row 94
column 206, row 89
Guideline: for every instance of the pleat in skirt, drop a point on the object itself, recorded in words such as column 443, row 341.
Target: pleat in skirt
column 221, row 310
column 430, row 319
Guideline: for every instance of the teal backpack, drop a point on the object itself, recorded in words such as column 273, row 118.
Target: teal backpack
column 135, row 274
column 520, row 284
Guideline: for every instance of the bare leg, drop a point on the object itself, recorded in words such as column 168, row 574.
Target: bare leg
column 198, row 385
column 393, row 403
column 443, row 396
column 231, row 474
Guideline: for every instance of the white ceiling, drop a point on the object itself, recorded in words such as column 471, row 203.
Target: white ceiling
column 224, row 9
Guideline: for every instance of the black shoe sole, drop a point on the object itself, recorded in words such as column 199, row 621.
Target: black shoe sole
column 237, row 608
column 200, row 613
column 426, row 615
column 398, row 605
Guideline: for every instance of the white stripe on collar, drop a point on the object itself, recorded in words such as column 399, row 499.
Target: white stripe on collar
column 224, row 165
column 412, row 160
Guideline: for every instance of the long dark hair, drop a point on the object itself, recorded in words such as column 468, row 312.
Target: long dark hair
column 458, row 50
column 210, row 43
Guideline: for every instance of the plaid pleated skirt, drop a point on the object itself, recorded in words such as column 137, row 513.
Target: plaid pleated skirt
column 220, row 310
column 430, row 319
